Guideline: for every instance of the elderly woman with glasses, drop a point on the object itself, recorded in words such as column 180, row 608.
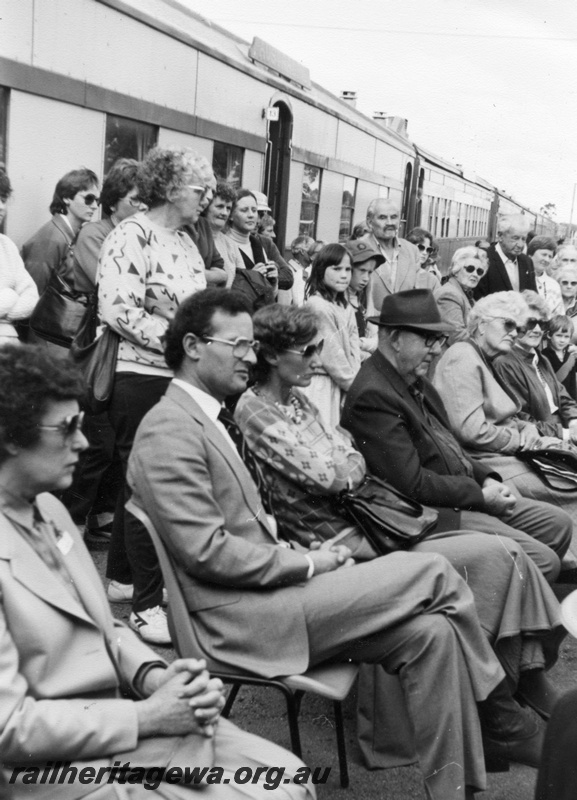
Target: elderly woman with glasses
column 305, row 464
column 566, row 277
column 544, row 401
column 148, row 266
column 484, row 412
column 455, row 298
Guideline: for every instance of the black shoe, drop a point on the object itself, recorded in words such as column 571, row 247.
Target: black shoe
column 522, row 751
column 535, row 690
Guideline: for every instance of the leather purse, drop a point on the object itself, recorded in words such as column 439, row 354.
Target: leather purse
column 58, row 312
column 96, row 357
column 557, row 467
column 389, row 519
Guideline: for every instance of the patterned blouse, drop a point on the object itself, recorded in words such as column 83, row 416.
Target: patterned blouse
column 145, row 272
column 305, row 466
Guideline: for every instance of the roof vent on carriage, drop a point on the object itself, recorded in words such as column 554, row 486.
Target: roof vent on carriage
column 349, row 97
column 394, row 123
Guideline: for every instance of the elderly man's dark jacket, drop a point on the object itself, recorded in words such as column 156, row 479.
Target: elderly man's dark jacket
column 496, row 278
column 394, row 436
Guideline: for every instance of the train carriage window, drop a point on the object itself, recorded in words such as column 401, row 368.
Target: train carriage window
column 347, row 207
column 310, row 200
column 127, row 138
column 227, row 160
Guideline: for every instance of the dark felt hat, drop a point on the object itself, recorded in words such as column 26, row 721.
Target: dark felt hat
column 413, row 309
column 360, row 252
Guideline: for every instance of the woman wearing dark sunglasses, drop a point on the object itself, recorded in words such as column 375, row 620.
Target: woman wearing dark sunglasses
column 485, row 411
column 529, row 374
column 428, row 250
column 455, row 299
column 75, row 201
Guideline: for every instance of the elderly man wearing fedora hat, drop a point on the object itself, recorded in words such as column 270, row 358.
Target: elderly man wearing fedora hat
column 400, row 426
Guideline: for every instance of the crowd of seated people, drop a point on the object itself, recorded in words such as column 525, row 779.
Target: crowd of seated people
column 329, row 382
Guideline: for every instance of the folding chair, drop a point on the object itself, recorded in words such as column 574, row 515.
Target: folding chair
column 333, row 681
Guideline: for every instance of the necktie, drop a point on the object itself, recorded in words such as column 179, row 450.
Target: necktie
column 247, row 456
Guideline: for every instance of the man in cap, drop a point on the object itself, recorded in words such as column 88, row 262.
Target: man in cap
column 401, row 267
column 400, row 426
column 262, row 205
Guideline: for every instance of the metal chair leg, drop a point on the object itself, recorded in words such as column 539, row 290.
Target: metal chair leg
column 341, row 746
column 292, row 707
column 235, row 687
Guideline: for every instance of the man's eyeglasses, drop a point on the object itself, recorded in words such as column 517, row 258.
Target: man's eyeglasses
column 431, row 339
column 424, row 249
column 90, row 199
column 309, row 351
column 532, row 323
column 240, row 346
column 470, row 268
column 68, row 427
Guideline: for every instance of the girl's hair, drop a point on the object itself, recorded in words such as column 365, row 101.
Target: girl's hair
column 329, row 256
column 558, row 323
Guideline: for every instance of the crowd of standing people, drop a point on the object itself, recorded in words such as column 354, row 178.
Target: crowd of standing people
column 248, row 393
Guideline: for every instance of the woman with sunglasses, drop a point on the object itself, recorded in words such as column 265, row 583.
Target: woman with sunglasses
column 484, row 411
column 544, row 401
column 75, row 201
column 148, row 265
column 428, row 250
column 566, row 277
column 455, row 298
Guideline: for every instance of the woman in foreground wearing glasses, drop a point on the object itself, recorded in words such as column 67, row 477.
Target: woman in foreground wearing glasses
column 482, row 409
column 147, row 266
column 455, row 298
column 305, row 464
column 75, row 202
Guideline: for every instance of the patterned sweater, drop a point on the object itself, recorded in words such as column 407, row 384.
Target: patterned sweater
column 145, row 271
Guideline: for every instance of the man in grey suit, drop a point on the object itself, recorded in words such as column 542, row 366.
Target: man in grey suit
column 272, row 610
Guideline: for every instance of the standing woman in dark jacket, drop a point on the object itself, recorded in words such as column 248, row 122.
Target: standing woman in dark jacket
column 258, row 252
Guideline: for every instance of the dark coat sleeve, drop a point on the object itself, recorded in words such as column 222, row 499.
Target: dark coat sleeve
column 397, row 447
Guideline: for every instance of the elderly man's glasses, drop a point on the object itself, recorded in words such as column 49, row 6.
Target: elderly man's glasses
column 431, row 339
column 474, row 268
column 424, row 249
column 240, row 346
column 309, row 351
column 90, row 199
column 68, row 427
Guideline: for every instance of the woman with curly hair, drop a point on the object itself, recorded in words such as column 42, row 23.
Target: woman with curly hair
column 147, row 267
column 217, row 214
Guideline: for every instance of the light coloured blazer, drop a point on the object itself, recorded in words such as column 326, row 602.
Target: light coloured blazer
column 59, row 689
column 240, row 584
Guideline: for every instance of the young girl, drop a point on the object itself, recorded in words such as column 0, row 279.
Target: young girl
column 561, row 353
column 365, row 260
column 325, row 293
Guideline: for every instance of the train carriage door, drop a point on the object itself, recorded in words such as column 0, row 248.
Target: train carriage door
column 277, row 168
column 406, row 199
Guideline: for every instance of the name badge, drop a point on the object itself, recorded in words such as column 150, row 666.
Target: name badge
column 65, row 543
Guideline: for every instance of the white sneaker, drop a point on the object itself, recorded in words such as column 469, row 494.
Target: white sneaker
column 151, row 624
column 120, row 592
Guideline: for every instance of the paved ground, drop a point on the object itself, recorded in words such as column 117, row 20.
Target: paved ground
column 263, row 712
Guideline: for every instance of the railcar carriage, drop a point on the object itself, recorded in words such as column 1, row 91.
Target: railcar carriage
column 84, row 82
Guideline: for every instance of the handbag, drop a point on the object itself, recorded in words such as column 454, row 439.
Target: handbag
column 556, row 467
column 96, row 357
column 58, row 312
column 254, row 288
column 389, row 519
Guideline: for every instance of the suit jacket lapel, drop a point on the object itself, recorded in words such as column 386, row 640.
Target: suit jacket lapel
column 237, row 468
column 29, row 569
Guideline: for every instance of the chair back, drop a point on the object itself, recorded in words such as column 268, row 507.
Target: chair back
column 180, row 622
